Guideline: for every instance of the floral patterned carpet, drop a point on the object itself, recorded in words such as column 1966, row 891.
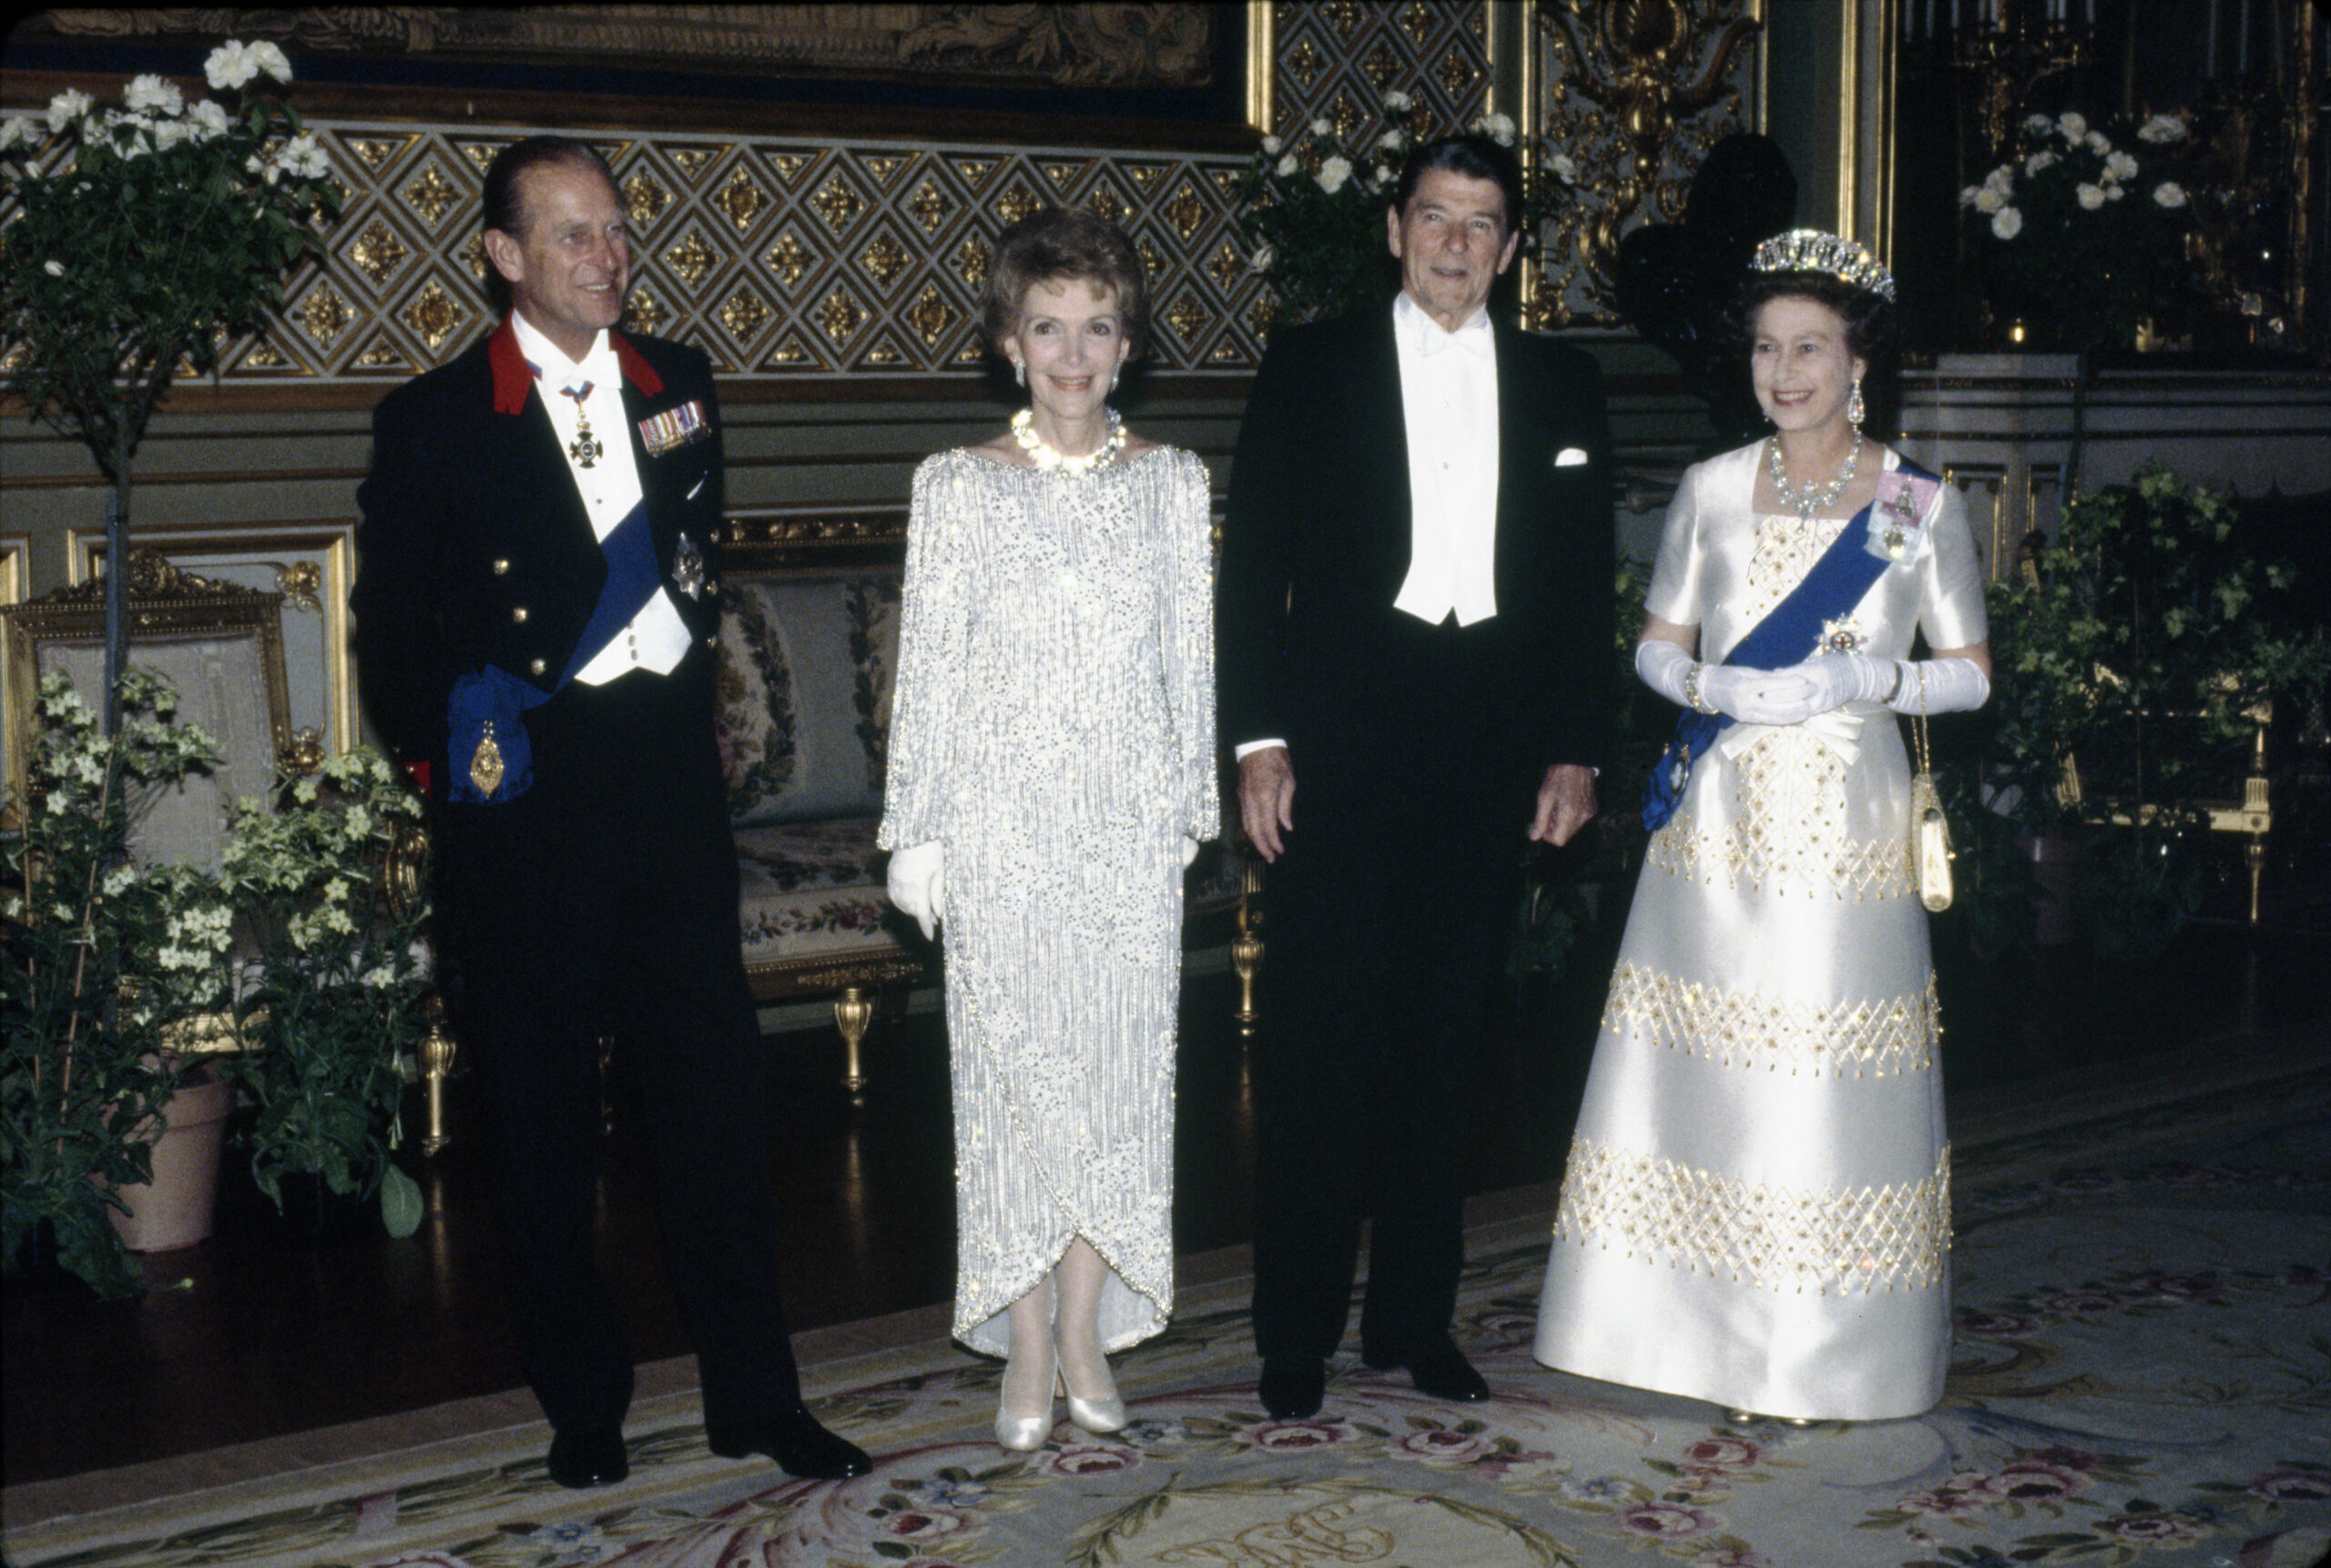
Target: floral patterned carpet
column 2143, row 1376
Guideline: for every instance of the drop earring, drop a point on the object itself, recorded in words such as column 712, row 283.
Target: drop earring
column 1018, row 372
column 1115, row 373
column 1854, row 409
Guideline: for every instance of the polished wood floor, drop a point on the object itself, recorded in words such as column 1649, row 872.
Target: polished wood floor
column 238, row 1339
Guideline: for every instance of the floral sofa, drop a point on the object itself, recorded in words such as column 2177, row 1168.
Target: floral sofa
column 808, row 658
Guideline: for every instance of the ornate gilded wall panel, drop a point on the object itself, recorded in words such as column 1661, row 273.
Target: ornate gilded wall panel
column 1633, row 93
column 1337, row 59
column 783, row 258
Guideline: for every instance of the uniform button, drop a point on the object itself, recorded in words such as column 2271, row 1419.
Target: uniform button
column 502, row 567
column 537, row 668
column 518, row 614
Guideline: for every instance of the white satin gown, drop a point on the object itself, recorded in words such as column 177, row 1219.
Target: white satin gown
column 1757, row 1207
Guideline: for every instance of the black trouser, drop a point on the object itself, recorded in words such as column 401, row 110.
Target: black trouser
column 1387, row 916
column 606, row 894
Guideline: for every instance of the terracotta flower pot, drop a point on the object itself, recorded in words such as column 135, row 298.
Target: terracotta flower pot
column 175, row 1209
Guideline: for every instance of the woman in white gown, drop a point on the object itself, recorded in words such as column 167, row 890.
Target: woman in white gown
column 1756, row 1205
column 1050, row 771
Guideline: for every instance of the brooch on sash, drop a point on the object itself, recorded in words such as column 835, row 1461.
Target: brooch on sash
column 1843, row 635
column 486, row 763
column 1894, row 519
column 674, row 428
column 687, row 568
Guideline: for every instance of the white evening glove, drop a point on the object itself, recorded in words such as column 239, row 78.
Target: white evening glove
column 1833, row 680
column 1189, row 852
column 1751, row 696
column 918, row 876
column 1945, row 686
column 1661, row 666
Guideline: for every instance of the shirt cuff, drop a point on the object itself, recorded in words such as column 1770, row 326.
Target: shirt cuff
column 1246, row 748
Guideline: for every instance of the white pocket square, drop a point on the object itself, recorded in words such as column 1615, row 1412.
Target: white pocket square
column 1570, row 457
column 700, row 484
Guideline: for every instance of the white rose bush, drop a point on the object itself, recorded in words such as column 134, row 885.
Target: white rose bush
column 1312, row 210
column 2083, row 236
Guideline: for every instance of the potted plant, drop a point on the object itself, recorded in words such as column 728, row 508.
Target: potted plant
column 333, row 985
column 2127, row 672
column 1312, row 210
column 106, row 963
column 143, row 238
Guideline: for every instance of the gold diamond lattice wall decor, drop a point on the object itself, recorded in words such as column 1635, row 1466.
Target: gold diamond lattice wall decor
column 786, row 259
column 1336, row 62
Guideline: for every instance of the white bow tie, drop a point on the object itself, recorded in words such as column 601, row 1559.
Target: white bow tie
column 1474, row 340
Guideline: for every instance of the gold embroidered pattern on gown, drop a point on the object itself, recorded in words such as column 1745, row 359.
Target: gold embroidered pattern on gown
column 1775, row 1237
column 1739, row 1028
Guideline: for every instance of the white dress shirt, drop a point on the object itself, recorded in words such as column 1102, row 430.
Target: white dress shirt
column 657, row 640
column 1449, row 401
column 1448, row 404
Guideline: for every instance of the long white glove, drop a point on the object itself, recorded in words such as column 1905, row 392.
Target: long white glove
column 1951, row 684
column 916, row 884
column 1751, row 696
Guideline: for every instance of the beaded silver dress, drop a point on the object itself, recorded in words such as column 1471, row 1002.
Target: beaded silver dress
column 1757, row 1207
column 1054, row 730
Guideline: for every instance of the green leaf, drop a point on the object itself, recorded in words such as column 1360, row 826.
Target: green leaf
column 400, row 1204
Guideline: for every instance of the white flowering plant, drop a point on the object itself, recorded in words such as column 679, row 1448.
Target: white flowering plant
column 336, row 977
column 1312, row 210
column 105, row 958
column 2082, row 233
column 144, row 236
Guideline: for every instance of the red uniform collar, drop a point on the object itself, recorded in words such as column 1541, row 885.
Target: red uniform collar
column 513, row 380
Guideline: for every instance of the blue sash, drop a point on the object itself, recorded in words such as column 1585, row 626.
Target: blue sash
column 1789, row 633
column 491, row 704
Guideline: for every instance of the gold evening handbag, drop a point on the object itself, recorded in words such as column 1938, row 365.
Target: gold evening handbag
column 1930, row 851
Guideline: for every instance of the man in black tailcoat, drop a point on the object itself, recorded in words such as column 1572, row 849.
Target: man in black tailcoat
column 1415, row 641
column 537, row 604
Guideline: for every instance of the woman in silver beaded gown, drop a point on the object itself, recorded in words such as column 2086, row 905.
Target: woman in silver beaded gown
column 1757, row 1207
column 1051, row 772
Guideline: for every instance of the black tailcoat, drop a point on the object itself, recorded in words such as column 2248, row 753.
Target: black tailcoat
column 1416, row 752
column 604, row 894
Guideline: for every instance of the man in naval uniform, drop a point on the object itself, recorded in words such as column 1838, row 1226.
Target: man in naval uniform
column 537, row 605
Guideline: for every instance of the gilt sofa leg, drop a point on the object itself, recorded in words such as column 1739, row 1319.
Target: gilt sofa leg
column 854, row 1011
column 436, row 1052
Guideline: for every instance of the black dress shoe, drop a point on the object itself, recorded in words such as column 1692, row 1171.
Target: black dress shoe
column 1292, row 1387
column 799, row 1445
column 589, row 1456
column 1438, row 1368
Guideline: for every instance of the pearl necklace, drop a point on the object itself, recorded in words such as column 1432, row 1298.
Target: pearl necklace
column 1811, row 498
column 1023, row 430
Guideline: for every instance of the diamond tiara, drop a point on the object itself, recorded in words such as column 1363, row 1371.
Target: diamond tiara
column 1811, row 250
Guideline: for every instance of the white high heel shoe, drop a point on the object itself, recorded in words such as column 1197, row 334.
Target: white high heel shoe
column 1024, row 1434
column 1104, row 1415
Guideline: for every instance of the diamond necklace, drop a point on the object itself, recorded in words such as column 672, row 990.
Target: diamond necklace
column 1023, row 430
column 1811, row 498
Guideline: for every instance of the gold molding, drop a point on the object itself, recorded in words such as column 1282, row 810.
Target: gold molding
column 1262, row 60
column 1848, row 116
column 328, row 542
